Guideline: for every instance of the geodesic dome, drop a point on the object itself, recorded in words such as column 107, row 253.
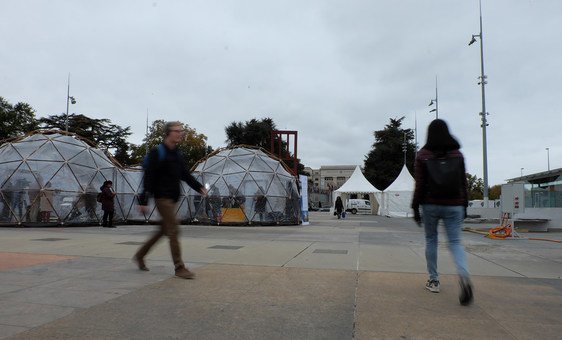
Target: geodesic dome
column 246, row 185
column 54, row 177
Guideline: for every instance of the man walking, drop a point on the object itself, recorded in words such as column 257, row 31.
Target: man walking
column 163, row 172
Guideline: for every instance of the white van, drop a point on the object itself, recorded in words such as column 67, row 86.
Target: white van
column 355, row 206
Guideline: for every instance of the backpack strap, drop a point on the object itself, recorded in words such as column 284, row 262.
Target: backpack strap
column 161, row 152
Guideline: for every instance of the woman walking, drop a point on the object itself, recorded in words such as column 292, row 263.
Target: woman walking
column 441, row 191
column 339, row 207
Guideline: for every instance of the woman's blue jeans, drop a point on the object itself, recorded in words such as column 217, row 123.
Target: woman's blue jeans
column 452, row 217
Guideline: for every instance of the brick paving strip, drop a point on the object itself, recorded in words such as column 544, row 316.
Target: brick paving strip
column 18, row 260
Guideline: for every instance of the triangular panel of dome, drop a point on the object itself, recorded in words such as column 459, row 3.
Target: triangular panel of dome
column 84, row 175
column 47, row 205
column 68, row 150
column 259, row 165
column 277, row 188
column 243, row 161
column 24, row 178
column 222, row 188
column 134, row 178
column 209, row 178
column 98, row 180
column 230, row 167
column 184, row 211
column 262, row 180
column 277, row 207
column 7, row 173
column 109, row 174
column 84, row 158
column 216, row 167
column 6, row 203
column 69, row 140
column 210, row 162
column 8, row 153
column 121, row 184
column 240, row 152
column 234, row 181
column 249, row 186
column 127, row 203
column 47, row 152
column 64, row 180
column 45, row 170
column 37, row 137
column 101, row 160
column 272, row 163
column 27, row 148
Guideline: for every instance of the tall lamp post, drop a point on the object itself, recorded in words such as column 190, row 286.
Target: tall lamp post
column 548, row 158
column 483, row 114
column 435, row 101
column 69, row 100
column 522, row 172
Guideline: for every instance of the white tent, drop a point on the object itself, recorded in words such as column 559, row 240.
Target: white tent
column 358, row 184
column 395, row 200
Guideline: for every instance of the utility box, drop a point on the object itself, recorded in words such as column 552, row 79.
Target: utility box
column 513, row 198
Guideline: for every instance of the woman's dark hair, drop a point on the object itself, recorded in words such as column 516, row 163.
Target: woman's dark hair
column 439, row 139
column 106, row 183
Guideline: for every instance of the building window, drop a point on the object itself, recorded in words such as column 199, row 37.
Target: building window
column 329, row 178
column 341, row 178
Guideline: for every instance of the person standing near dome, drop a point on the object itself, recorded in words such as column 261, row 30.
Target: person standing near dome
column 107, row 204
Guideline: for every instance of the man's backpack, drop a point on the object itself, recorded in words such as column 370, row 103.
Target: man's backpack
column 445, row 177
column 161, row 155
column 98, row 197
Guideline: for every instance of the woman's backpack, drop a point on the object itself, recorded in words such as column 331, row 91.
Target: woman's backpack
column 445, row 176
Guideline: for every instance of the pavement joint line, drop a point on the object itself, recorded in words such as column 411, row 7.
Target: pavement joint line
column 537, row 256
column 497, row 264
column 353, row 327
column 300, row 252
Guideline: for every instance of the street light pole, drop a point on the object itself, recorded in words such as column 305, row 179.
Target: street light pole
column 436, row 101
column 522, row 172
column 483, row 114
column 548, row 158
column 69, row 100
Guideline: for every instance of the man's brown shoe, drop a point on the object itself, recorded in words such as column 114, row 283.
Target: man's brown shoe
column 140, row 263
column 184, row 273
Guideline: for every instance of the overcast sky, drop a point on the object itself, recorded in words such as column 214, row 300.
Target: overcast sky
column 335, row 71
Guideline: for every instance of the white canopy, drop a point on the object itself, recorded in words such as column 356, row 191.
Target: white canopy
column 358, row 184
column 395, row 200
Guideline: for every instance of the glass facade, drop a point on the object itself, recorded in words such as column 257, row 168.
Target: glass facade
column 544, row 193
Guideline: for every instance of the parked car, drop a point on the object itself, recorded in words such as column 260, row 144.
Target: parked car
column 355, row 206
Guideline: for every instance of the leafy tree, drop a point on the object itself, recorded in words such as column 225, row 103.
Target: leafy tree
column 386, row 159
column 495, row 192
column 100, row 131
column 193, row 147
column 475, row 187
column 253, row 132
column 258, row 133
column 16, row 120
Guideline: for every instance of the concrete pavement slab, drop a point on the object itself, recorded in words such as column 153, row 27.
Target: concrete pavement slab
column 279, row 282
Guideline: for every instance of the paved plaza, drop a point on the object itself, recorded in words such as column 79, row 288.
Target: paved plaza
column 358, row 278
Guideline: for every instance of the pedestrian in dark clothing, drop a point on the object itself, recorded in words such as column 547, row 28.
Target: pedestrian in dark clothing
column 260, row 206
column 441, row 191
column 338, row 207
column 107, row 204
column 162, row 181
